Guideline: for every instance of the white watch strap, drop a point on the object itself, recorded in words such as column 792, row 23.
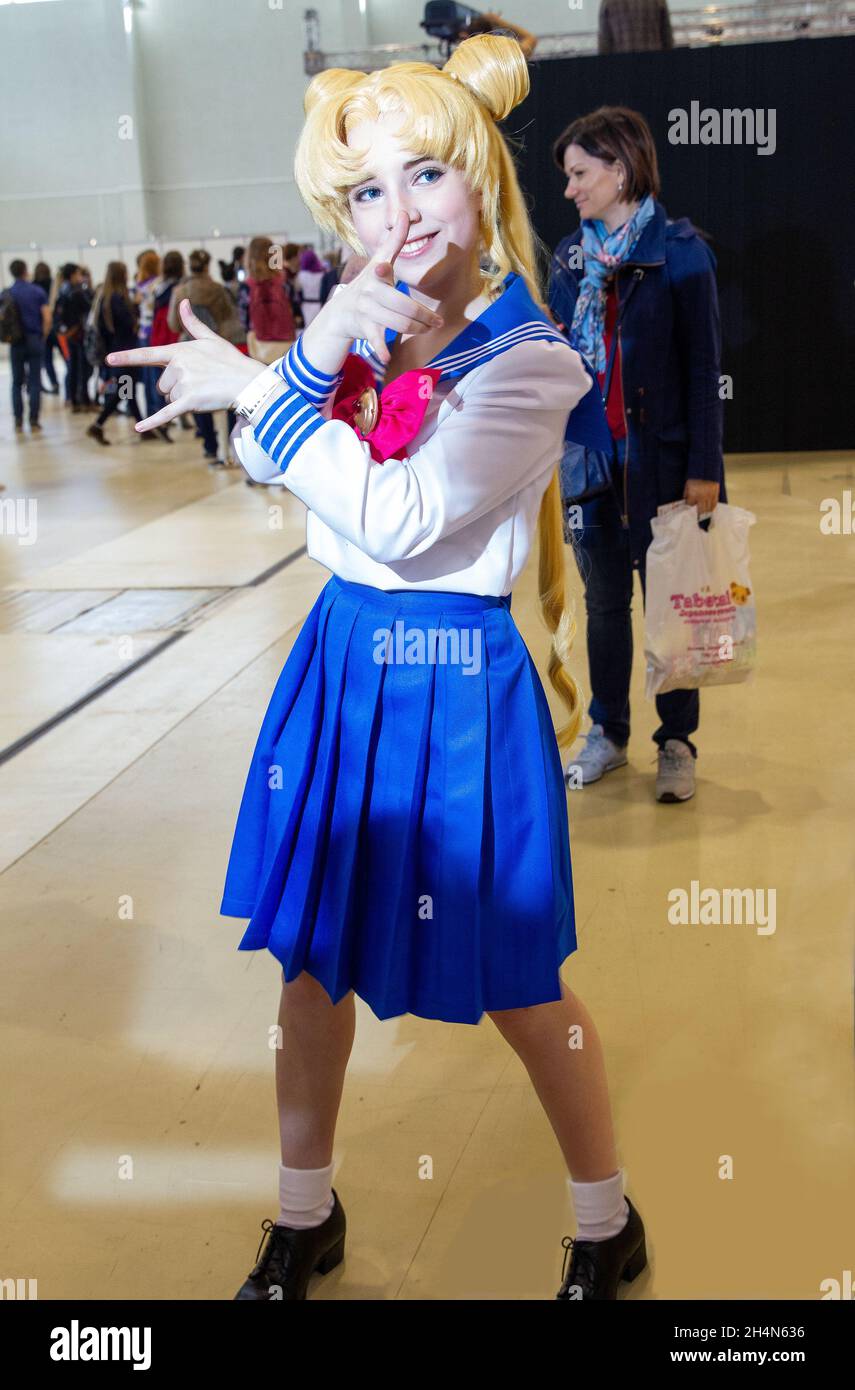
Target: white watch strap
column 255, row 397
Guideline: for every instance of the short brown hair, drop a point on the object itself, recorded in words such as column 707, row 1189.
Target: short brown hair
column 199, row 261
column 611, row 133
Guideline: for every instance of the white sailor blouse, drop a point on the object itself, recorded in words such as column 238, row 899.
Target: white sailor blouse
column 459, row 511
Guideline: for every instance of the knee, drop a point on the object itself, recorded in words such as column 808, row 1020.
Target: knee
column 608, row 601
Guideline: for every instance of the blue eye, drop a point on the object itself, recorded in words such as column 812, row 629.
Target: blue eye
column 372, row 188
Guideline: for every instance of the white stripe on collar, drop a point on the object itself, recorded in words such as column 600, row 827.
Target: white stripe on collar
column 521, row 332
column 456, row 364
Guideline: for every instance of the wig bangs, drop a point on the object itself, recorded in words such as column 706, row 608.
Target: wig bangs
column 435, row 118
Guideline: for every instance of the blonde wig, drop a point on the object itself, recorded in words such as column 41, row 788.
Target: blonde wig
column 450, row 114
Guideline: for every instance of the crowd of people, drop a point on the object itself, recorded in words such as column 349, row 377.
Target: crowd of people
column 266, row 294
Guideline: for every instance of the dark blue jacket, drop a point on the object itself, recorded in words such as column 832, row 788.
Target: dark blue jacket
column 670, row 340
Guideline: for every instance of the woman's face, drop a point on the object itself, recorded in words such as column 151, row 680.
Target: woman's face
column 592, row 184
column 444, row 235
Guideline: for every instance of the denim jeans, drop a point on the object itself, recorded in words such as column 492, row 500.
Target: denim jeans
column 77, row 373
column 607, row 573
column 47, row 362
column 205, row 424
column 26, row 361
column 154, row 401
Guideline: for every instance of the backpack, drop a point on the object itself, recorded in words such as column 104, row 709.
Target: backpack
column 94, row 347
column 11, row 324
column 204, row 315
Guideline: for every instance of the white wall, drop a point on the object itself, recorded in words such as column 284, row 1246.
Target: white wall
column 67, row 80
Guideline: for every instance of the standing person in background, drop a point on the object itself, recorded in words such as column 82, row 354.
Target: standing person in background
column 69, row 320
column 309, row 279
column 43, row 278
column 213, row 304
column 148, row 272
column 27, row 353
column 238, row 289
column 291, row 267
column 172, row 272
column 92, row 393
column 117, row 320
column 643, row 294
column 634, row 26
column 489, row 23
column 271, row 322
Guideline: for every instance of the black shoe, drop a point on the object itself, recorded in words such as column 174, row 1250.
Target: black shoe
column 291, row 1257
column 598, row 1266
column 96, row 431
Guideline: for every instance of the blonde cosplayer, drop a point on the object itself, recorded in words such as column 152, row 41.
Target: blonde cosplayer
column 450, row 113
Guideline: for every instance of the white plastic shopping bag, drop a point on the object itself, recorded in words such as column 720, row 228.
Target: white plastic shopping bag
column 700, row 618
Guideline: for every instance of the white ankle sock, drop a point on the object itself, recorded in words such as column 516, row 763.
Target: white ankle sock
column 601, row 1209
column 305, row 1196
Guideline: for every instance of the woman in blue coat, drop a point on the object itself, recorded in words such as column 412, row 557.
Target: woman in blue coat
column 631, row 285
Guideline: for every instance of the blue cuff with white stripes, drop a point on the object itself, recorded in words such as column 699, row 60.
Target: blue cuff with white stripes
column 298, row 371
column 293, row 417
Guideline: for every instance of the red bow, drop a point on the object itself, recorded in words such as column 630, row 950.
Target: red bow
column 400, row 409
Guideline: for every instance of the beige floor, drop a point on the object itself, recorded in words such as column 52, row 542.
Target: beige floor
column 139, row 1144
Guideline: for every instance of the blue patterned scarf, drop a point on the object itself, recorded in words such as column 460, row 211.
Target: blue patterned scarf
column 602, row 250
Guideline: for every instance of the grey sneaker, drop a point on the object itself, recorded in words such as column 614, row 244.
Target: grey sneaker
column 598, row 756
column 675, row 775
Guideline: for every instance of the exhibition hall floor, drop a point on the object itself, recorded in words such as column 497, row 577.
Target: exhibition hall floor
column 148, row 605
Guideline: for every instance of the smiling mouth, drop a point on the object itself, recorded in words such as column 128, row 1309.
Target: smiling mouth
column 416, row 245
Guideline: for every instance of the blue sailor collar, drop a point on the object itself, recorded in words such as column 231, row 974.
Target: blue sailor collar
column 512, row 318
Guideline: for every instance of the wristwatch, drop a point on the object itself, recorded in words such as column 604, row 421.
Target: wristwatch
column 261, row 391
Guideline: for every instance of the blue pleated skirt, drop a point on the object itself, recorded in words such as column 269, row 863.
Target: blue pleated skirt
column 403, row 828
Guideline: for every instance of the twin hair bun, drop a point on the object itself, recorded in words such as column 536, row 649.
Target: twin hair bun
column 492, row 68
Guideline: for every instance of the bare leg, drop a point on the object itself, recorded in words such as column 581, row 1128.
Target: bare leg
column 570, row 1081
column 317, row 1037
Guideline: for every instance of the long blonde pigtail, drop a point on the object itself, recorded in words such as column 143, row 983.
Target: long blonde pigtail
column 514, row 246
